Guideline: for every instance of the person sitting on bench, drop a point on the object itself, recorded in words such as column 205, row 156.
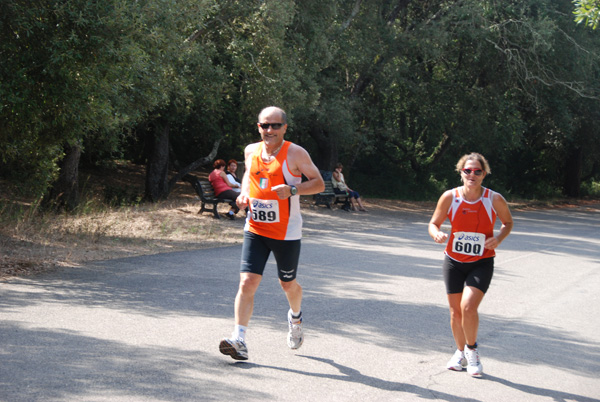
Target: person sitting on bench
column 340, row 187
column 223, row 187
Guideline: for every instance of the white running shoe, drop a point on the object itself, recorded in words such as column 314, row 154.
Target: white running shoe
column 474, row 367
column 295, row 336
column 457, row 361
column 236, row 348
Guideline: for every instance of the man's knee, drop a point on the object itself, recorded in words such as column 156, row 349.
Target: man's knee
column 249, row 283
column 290, row 286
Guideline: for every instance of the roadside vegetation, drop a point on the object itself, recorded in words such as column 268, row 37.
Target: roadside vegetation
column 33, row 240
column 111, row 222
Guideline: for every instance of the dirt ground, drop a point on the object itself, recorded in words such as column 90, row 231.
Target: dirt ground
column 173, row 225
column 35, row 242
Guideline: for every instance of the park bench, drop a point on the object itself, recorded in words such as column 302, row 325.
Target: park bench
column 328, row 196
column 208, row 200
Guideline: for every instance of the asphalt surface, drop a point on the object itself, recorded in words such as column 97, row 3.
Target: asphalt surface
column 375, row 319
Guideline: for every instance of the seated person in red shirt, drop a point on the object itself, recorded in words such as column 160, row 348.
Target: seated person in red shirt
column 223, row 188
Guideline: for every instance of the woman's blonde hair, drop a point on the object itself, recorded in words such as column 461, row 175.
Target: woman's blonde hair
column 473, row 156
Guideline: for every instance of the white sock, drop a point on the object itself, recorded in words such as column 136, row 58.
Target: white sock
column 239, row 332
column 295, row 314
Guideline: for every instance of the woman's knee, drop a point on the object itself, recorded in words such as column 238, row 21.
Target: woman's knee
column 469, row 309
column 471, row 300
column 455, row 314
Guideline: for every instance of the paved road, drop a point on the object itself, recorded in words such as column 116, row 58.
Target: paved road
column 376, row 321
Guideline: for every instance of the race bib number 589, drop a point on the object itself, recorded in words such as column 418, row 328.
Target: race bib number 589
column 468, row 243
column 266, row 211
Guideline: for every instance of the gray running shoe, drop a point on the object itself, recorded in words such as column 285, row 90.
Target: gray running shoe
column 457, row 361
column 236, row 348
column 474, row 367
column 295, row 335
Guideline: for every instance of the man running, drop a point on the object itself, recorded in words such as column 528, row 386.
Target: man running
column 271, row 188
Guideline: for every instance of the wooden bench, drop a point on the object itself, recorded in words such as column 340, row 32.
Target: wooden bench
column 328, row 196
column 325, row 197
column 208, row 201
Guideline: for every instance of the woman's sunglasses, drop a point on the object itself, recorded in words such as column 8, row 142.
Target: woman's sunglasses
column 478, row 172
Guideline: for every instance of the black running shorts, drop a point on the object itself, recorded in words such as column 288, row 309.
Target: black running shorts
column 457, row 274
column 256, row 251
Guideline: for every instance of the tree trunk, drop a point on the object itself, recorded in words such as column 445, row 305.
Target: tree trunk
column 157, row 168
column 327, row 153
column 197, row 163
column 64, row 192
column 572, row 184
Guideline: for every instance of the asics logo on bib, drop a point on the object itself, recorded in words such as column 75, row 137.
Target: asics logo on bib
column 261, row 205
column 465, row 237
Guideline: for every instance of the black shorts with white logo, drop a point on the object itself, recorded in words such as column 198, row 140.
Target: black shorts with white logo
column 257, row 249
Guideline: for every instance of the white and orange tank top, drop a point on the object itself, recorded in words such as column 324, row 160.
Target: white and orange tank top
column 269, row 216
column 472, row 223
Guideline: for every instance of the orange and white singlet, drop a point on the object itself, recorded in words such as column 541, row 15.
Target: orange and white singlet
column 269, row 216
column 472, row 223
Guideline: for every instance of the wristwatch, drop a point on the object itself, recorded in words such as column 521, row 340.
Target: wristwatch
column 293, row 190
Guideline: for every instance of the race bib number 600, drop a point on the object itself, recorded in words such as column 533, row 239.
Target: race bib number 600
column 266, row 211
column 468, row 243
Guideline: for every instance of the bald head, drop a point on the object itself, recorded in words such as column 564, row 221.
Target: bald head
column 273, row 110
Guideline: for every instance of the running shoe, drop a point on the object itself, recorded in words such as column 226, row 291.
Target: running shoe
column 236, row 348
column 474, row 367
column 457, row 361
column 295, row 335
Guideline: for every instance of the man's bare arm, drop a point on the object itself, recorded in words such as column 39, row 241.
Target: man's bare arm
column 301, row 163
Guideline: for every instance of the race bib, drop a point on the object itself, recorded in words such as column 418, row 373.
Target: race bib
column 266, row 211
column 468, row 243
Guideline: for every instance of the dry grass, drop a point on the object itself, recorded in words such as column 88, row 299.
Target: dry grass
column 43, row 242
column 31, row 242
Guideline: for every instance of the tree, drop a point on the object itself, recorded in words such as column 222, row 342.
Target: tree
column 556, row 69
column 71, row 70
column 213, row 70
column 409, row 84
column 475, row 76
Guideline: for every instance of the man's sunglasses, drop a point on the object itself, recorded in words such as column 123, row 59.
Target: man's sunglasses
column 274, row 126
column 478, row 172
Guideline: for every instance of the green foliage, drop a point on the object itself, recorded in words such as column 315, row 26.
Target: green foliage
column 591, row 188
column 66, row 74
column 403, row 88
column 587, row 12
column 83, row 70
column 487, row 79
